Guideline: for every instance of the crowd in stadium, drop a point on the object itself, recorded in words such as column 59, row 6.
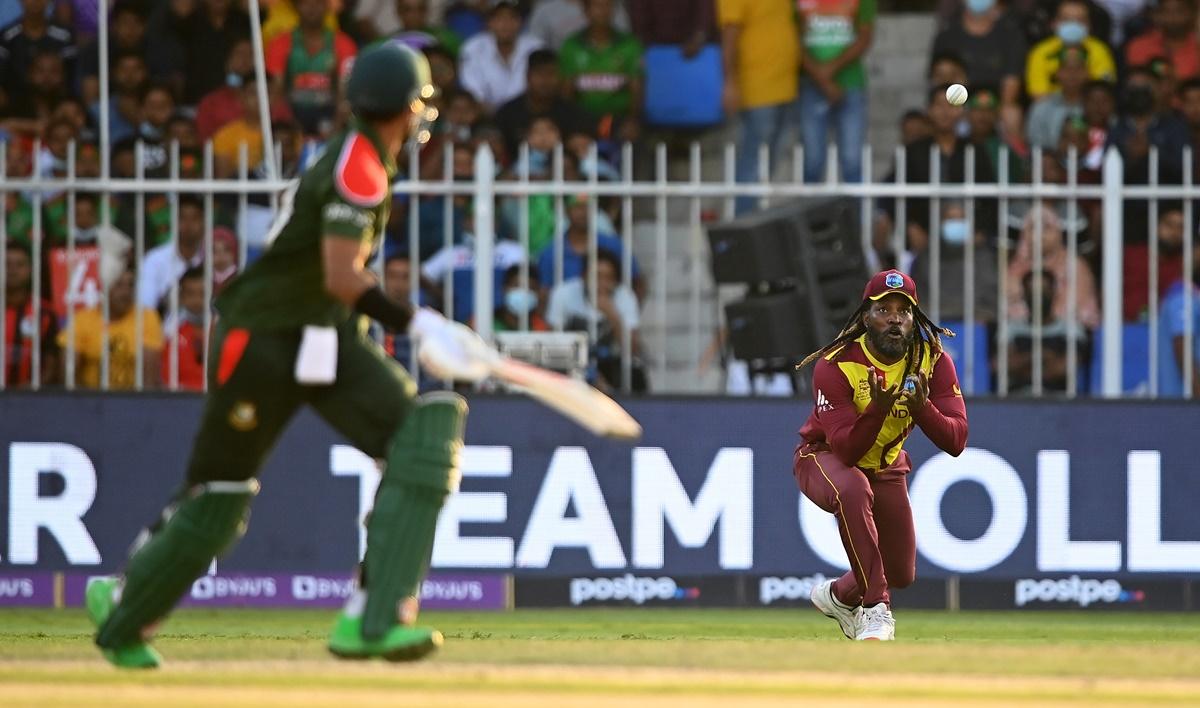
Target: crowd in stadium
column 1068, row 77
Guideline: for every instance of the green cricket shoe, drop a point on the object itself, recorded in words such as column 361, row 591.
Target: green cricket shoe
column 401, row 643
column 99, row 601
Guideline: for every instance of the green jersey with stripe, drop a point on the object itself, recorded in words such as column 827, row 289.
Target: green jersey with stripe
column 347, row 194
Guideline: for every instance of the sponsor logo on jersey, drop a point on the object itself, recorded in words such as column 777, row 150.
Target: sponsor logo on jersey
column 823, row 403
column 1074, row 591
column 628, row 588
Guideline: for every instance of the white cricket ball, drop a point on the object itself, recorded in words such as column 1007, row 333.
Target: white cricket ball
column 956, row 95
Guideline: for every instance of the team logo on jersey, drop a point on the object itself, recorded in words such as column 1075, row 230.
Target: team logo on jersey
column 244, row 416
column 823, row 403
column 894, row 280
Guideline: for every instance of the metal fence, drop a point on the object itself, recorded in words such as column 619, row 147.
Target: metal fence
column 1106, row 199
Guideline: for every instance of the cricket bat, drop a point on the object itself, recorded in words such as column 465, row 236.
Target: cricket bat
column 573, row 398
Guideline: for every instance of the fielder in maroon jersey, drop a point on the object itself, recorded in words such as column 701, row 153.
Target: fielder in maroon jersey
column 885, row 373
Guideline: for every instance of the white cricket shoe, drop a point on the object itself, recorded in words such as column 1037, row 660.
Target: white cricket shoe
column 823, row 599
column 876, row 624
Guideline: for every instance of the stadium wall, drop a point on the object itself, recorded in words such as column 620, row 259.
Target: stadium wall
column 1049, row 502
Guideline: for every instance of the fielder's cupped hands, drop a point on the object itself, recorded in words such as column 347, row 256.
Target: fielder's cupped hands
column 917, row 395
column 883, row 398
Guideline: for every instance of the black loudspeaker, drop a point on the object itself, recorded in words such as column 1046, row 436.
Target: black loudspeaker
column 753, row 249
column 768, row 327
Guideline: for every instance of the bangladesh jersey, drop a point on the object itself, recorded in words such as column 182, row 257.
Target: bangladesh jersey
column 830, row 27
column 871, row 439
column 602, row 76
column 346, row 193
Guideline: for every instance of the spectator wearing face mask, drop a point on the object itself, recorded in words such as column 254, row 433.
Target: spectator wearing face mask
column 520, row 300
column 951, row 269
column 1072, row 28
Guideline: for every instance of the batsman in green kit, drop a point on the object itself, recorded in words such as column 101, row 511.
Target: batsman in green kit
column 292, row 331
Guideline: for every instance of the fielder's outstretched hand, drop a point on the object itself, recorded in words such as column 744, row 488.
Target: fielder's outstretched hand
column 883, row 398
column 450, row 350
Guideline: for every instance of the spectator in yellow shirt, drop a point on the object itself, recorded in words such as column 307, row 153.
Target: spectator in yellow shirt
column 228, row 140
column 1071, row 28
column 761, row 49
column 123, row 341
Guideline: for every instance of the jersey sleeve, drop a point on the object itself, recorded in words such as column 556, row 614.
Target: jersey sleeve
column 944, row 417
column 360, row 184
column 849, row 433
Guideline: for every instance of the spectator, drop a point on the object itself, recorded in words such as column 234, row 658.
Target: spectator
column 73, row 110
column 19, row 325
column 1099, row 113
column 1055, row 259
column 518, row 300
column 992, row 46
column 127, row 35
column 129, row 77
column 951, row 269
column 1055, row 337
column 45, row 86
column 206, row 29
column 284, row 17
column 375, row 19
column 983, row 117
column 223, row 105
column 1044, row 127
column 1072, row 28
column 1172, row 330
column 461, row 117
column 951, row 151
column 431, row 208
column 442, row 68
column 834, row 90
column 245, row 130
column 914, row 126
column 419, row 33
column 123, row 340
column 24, row 39
column 1172, row 37
column 1123, row 15
column 184, row 353
column 1140, row 127
column 542, row 97
column 397, row 281
column 584, row 149
column 1136, row 263
column 947, row 69
column 165, row 264
column 553, row 21
column 614, row 312
column 762, row 60
column 493, row 64
column 459, row 260
column 1189, row 109
column 602, row 72
column 575, row 247
column 688, row 23
column 305, row 66
column 225, row 258
column 542, row 136
column 115, row 245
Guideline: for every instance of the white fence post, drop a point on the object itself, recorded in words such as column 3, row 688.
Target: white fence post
column 1111, row 281
column 485, row 238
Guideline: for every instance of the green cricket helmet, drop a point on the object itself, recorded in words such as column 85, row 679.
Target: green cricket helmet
column 389, row 78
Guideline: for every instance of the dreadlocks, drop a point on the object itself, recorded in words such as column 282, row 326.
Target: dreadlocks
column 928, row 333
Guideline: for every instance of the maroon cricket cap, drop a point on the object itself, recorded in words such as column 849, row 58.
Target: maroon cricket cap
column 887, row 282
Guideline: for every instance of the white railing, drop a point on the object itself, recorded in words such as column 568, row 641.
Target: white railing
column 658, row 190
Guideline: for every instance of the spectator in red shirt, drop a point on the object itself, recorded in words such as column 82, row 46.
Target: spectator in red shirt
column 18, row 323
column 1173, row 37
column 305, row 65
column 223, row 105
column 187, row 340
column 1136, row 263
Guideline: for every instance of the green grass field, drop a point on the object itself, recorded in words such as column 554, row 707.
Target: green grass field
column 637, row 657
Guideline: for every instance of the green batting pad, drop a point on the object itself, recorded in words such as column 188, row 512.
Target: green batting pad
column 202, row 527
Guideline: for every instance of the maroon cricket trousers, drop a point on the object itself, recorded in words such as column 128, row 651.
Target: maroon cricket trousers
column 874, row 519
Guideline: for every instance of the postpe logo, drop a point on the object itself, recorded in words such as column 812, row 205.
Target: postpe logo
column 1073, row 590
column 773, row 588
column 628, row 588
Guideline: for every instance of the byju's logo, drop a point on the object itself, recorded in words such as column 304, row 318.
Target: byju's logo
column 772, row 589
column 628, row 588
column 1073, row 590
